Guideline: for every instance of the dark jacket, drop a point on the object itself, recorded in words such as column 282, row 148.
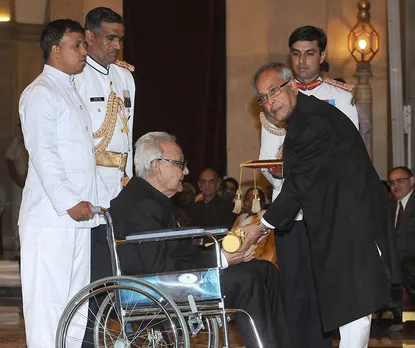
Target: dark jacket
column 405, row 240
column 405, row 234
column 140, row 207
column 217, row 212
column 328, row 173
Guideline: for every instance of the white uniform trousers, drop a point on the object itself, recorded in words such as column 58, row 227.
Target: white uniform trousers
column 55, row 265
column 356, row 334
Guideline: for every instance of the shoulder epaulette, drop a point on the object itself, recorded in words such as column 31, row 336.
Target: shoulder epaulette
column 125, row 65
column 341, row 85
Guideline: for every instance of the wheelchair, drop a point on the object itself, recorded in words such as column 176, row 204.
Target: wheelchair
column 180, row 309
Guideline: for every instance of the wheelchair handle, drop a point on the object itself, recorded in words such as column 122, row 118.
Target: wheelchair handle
column 97, row 210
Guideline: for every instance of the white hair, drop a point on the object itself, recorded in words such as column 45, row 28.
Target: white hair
column 147, row 149
column 283, row 70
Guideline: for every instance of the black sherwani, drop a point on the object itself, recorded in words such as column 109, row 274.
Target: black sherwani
column 217, row 212
column 251, row 286
column 329, row 174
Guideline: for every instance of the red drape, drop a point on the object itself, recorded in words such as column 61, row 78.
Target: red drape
column 179, row 51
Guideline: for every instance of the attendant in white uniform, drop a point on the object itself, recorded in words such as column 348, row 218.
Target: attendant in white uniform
column 307, row 51
column 108, row 89
column 55, row 218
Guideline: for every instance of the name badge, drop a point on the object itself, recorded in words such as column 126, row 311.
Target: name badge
column 96, row 99
column 127, row 98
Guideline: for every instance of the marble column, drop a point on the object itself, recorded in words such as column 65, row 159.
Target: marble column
column 341, row 19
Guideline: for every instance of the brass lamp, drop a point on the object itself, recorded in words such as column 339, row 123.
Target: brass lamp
column 363, row 45
column 363, row 39
column 5, row 10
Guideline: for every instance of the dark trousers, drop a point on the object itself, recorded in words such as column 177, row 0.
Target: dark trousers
column 298, row 289
column 253, row 286
column 100, row 268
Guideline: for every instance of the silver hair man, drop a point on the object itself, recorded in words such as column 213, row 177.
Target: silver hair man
column 283, row 70
column 147, row 149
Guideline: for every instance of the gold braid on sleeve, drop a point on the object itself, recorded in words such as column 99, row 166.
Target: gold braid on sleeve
column 269, row 127
column 106, row 131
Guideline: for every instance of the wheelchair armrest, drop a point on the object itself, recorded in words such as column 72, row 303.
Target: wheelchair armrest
column 174, row 233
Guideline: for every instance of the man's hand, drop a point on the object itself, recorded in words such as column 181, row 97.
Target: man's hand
column 276, row 172
column 252, row 235
column 240, row 256
column 81, row 211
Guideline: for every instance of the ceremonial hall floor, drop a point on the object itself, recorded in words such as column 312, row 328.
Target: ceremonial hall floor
column 12, row 328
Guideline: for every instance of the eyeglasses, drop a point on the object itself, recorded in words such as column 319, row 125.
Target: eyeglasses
column 273, row 92
column 397, row 181
column 180, row 164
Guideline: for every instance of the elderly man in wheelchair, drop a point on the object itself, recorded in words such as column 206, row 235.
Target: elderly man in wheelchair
column 159, row 307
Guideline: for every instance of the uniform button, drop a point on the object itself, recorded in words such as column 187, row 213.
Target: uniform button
column 80, row 106
column 86, row 127
column 99, row 110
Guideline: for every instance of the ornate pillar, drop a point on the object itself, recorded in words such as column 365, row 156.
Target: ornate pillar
column 363, row 45
column 363, row 95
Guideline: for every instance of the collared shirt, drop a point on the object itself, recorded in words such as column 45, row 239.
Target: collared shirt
column 95, row 84
column 404, row 202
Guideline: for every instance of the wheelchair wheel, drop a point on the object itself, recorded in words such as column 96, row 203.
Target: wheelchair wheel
column 132, row 313
column 208, row 336
column 212, row 328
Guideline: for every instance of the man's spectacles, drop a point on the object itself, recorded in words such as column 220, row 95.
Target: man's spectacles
column 273, row 92
column 180, row 164
column 397, row 181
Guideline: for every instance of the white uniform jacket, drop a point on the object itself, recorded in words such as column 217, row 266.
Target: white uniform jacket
column 57, row 134
column 94, row 85
column 336, row 93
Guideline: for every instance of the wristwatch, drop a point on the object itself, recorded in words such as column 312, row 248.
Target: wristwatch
column 262, row 228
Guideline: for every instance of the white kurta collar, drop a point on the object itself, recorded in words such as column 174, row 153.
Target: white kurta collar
column 98, row 67
column 64, row 77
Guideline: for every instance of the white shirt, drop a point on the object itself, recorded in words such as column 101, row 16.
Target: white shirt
column 330, row 91
column 404, row 202
column 57, row 134
column 94, row 85
column 337, row 94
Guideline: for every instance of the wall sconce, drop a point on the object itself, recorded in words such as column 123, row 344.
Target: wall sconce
column 363, row 45
column 363, row 39
column 5, row 10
